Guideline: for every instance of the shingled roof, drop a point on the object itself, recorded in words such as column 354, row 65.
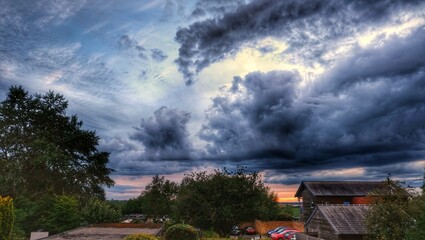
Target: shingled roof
column 339, row 188
column 344, row 219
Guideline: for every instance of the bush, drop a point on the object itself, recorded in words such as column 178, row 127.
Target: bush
column 210, row 234
column 97, row 211
column 181, row 232
column 6, row 218
column 140, row 236
column 63, row 214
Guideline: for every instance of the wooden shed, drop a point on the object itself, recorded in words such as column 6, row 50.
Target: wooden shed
column 338, row 222
column 313, row 193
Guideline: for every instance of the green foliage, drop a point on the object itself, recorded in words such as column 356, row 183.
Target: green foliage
column 158, row 196
column 156, row 201
column 140, row 236
column 210, row 234
column 417, row 211
column 222, row 199
column 44, row 152
column 63, row 214
column 134, row 205
column 6, row 218
column 285, row 213
column 181, row 232
column 98, row 211
column 388, row 218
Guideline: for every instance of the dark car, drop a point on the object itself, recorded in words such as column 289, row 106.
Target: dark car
column 236, row 231
column 250, row 230
column 270, row 232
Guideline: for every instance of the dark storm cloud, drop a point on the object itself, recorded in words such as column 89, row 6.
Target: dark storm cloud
column 264, row 110
column 216, row 8
column 129, row 157
column 158, row 55
column 165, row 135
column 301, row 23
column 366, row 111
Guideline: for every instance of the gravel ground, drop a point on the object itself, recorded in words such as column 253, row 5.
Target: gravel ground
column 96, row 233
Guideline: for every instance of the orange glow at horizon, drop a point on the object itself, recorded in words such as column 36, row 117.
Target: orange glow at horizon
column 136, row 185
column 285, row 193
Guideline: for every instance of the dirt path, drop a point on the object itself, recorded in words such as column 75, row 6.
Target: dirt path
column 96, row 233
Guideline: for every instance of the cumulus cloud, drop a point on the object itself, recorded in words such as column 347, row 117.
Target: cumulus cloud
column 256, row 115
column 165, row 135
column 368, row 110
column 309, row 25
column 158, row 55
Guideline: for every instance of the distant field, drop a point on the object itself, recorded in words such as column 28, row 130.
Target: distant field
column 296, row 212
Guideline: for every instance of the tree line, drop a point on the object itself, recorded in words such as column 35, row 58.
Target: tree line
column 216, row 200
column 50, row 166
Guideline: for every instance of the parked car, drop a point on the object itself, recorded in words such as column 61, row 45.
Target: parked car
column 250, row 230
column 290, row 234
column 270, row 232
column 236, row 231
column 280, row 235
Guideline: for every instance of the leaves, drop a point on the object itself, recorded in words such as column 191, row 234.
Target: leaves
column 45, row 152
column 222, row 199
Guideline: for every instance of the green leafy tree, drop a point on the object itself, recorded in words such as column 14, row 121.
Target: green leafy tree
column 417, row 211
column 7, row 218
column 62, row 215
column 98, row 211
column 134, row 205
column 158, row 197
column 388, row 217
column 45, row 152
column 221, row 199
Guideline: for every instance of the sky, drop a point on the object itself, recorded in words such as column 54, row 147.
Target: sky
column 294, row 89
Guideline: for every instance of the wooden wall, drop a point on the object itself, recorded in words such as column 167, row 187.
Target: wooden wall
column 318, row 226
column 307, row 207
column 301, row 236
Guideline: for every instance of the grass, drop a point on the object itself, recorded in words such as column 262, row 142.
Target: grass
column 296, row 212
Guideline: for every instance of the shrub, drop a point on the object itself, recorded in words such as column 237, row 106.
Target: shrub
column 97, row 211
column 6, row 218
column 181, row 232
column 210, row 234
column 140, row 236
column 63, row 214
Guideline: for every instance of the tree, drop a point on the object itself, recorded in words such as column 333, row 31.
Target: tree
column 158, row 196
column 417, row 211
column 134, row 205
column 98, row 211
column 389, row 216
column 7, row 218
column 45, row 152
column 62, row 215
column 222, row 199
